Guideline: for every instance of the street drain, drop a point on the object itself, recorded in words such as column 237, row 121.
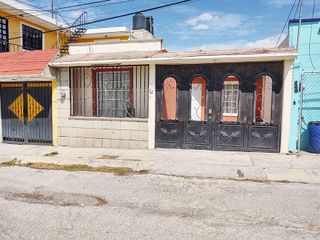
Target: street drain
column 60, row 199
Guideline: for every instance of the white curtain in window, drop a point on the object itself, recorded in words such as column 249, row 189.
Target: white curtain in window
column 196, row 95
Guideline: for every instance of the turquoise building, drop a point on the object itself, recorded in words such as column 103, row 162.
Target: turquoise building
column 307, row 68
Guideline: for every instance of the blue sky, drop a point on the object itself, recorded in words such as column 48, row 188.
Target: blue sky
column 201, row 24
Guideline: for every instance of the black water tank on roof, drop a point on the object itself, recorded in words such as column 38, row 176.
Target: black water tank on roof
column 139, row 21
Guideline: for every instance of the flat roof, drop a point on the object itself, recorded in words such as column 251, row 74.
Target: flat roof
column 183, row 57
column 107, row 30
column 304, row 20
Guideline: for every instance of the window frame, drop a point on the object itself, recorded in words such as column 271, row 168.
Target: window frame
column 176, row 99
column 255, row 100
column 36, row 28
column 6, row 46
column 204, row 92
column 236, row 81
column 94, row 87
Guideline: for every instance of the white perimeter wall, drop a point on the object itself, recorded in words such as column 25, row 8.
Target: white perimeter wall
column 96, row 132
column 114, row 47
column 286, row 106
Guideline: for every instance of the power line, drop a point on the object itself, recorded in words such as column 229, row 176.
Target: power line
column 296, row 12
column 83, row 4
column 67, row 8
column 310, row 37
column 286, row 22
column 31, row 5
column 102, row 5
column 119, row 16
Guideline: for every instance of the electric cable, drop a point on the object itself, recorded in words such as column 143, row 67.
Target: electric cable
column 118, row 16
column 286, row 22
column 310, row 37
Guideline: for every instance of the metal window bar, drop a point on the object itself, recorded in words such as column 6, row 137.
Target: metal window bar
column 110, row 91
column 309, row 107
column 32, row 38
column 4, row 35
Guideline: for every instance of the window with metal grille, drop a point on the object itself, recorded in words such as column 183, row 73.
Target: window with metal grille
column 31, row 38
column 230, row 99
column 114, row 93
column 4, row 35
column 118, row 92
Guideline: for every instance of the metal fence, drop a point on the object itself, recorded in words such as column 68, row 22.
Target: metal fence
column 309, row 111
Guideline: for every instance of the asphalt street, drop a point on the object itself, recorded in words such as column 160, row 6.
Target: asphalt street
column 41, row 204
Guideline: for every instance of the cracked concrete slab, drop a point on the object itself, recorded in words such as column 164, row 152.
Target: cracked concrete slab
column 189, row 163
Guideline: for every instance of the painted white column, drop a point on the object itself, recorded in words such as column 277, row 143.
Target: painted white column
column 286, row 106
column 152, row 107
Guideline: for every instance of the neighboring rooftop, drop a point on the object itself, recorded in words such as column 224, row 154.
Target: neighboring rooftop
column 235, row 52
column 102, row 33
column 107, row 30
column 273, row 54
column 25, row 62
column 304, row 20
column 26, row 12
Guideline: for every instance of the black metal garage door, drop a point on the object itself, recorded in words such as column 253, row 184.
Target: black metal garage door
column 26, row 112
column 176, row 126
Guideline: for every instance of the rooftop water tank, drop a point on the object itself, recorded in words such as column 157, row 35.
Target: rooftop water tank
column 139, row 21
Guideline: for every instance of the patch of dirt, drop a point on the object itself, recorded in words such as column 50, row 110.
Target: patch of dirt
column 51, row 154
column 52, row 198
column 120, row 171
column 11, row 163
column 130, row 160
column 120, row 159
column 108, row 157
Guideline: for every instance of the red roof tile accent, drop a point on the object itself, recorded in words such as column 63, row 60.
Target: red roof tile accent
column 25, row 62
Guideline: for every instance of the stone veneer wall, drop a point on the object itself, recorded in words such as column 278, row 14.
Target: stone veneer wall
column 96, row 132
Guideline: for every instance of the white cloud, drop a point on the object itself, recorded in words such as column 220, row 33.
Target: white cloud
column 215, row 21
column 268, row 42
column 201, row 27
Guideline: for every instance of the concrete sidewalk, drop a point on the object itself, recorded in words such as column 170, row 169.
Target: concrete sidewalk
column 304, row 168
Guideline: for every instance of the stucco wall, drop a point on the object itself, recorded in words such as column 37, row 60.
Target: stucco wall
column 303, row 63
column 14, row 23
column 96, row 132
column 117, row 46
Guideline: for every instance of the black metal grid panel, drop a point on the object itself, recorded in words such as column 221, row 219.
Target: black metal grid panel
column 4, row 35
column 26, row 112
column 32, row 38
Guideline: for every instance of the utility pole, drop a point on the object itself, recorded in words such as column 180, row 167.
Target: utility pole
column 52, row 8
column 300, row 21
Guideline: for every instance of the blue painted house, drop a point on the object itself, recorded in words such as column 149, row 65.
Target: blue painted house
column 307, row 68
